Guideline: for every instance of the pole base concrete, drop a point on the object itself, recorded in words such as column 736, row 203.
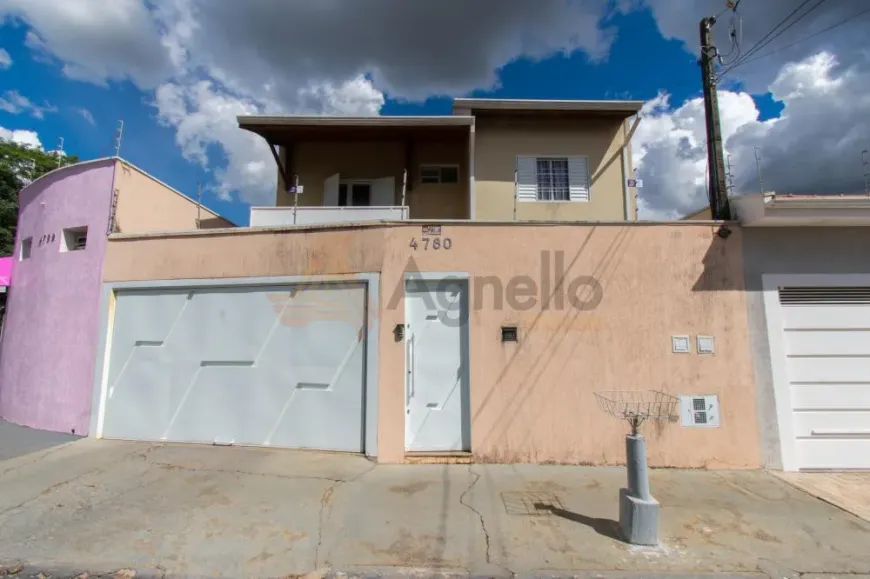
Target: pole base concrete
column 638, row 519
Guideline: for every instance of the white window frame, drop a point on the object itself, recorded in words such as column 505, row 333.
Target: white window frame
column 440, row 166
column 25, row 249
column 74, row 235
column 568, row 157
column 350, row 183
column 565, row 158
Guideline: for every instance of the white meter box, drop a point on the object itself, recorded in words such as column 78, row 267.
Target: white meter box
column 699, row 410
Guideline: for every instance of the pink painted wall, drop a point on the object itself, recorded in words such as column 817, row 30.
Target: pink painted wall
column 52, row 311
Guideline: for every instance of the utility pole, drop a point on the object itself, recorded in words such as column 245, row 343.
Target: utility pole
column 719, row 205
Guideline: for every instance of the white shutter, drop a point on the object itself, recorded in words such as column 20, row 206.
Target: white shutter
column 527, row 179
column 578, row 178
column 384, row 192
column 330, row 191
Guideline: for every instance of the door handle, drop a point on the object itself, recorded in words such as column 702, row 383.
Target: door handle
column 413, row 366
column 840, row 432
column 409, row 365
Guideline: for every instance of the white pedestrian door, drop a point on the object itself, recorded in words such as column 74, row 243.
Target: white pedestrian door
column 436, row 353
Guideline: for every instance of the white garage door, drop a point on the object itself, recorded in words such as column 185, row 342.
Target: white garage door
column 275, row 366
column 827, row 346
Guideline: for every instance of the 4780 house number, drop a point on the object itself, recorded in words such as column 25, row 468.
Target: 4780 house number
column 427, row 243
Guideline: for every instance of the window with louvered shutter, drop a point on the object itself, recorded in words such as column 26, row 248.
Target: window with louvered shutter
column 552, row 179
column 527, row 179
column 578, row 175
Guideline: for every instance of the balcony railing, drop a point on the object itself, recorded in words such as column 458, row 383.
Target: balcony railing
column 289, row 216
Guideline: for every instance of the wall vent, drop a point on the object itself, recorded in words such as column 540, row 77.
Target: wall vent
column 74, row 239
column 824, row 295
column 509, row 334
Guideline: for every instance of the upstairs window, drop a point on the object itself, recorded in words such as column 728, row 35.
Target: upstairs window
column 74, row 239
column 553, row 180
column 544, row 179
column 443, row 174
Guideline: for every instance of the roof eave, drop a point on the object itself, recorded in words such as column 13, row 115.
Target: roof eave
column 760, row 210
column 627, row 108
column 252, row 121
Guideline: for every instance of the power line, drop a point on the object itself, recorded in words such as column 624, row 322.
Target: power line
column 733, row 34
column 784, row 30
column 774, row 33
column 810, row 37
column 774, row 29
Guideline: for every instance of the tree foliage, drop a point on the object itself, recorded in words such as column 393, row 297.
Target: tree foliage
column 19, row 166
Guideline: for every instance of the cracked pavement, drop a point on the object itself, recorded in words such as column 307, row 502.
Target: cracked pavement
column 183, row 510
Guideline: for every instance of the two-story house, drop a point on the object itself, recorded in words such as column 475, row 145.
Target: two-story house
column 453, row 287
column 491, row 160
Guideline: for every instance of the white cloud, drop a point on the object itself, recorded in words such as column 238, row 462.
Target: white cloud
column 5, row 59
column 22, row 137
column 86, row 115
column 204, row 116
column 813, row 147
column 15, row 103
column 679, row 19
column 94, row 39
column 207, row 61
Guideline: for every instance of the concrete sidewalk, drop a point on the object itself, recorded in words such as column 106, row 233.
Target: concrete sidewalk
column 202, row 511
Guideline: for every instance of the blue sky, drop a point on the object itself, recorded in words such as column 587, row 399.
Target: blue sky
column 641, row 64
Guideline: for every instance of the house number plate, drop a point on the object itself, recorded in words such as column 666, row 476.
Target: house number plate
column 431, row 239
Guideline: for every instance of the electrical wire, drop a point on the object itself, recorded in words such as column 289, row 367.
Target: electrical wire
column 810, row 37
column 735, row 43
column 774, row 29
column 773, row 34
column 784, row 30
column 728, row 6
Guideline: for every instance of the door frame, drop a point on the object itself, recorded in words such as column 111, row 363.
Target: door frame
column 349, row 183
column 464, row 343
column 369, row 281
column 776, row 349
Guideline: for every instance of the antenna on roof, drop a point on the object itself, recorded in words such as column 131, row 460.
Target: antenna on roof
column 730, row 176
column 59, row 151
column 758, row 166
column 198, row 204
column 118, row 134
column 865, row 160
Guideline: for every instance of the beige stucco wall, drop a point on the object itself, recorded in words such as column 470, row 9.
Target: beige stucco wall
column 314, row 162
column 499, row 142
column 145, row 204
column 705, row 214
column 533, row 400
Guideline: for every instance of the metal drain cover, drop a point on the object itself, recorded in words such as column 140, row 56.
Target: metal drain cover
column 530, row 504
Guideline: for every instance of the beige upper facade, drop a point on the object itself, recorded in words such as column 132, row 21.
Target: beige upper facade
column 144, row 204
column 491, row 160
